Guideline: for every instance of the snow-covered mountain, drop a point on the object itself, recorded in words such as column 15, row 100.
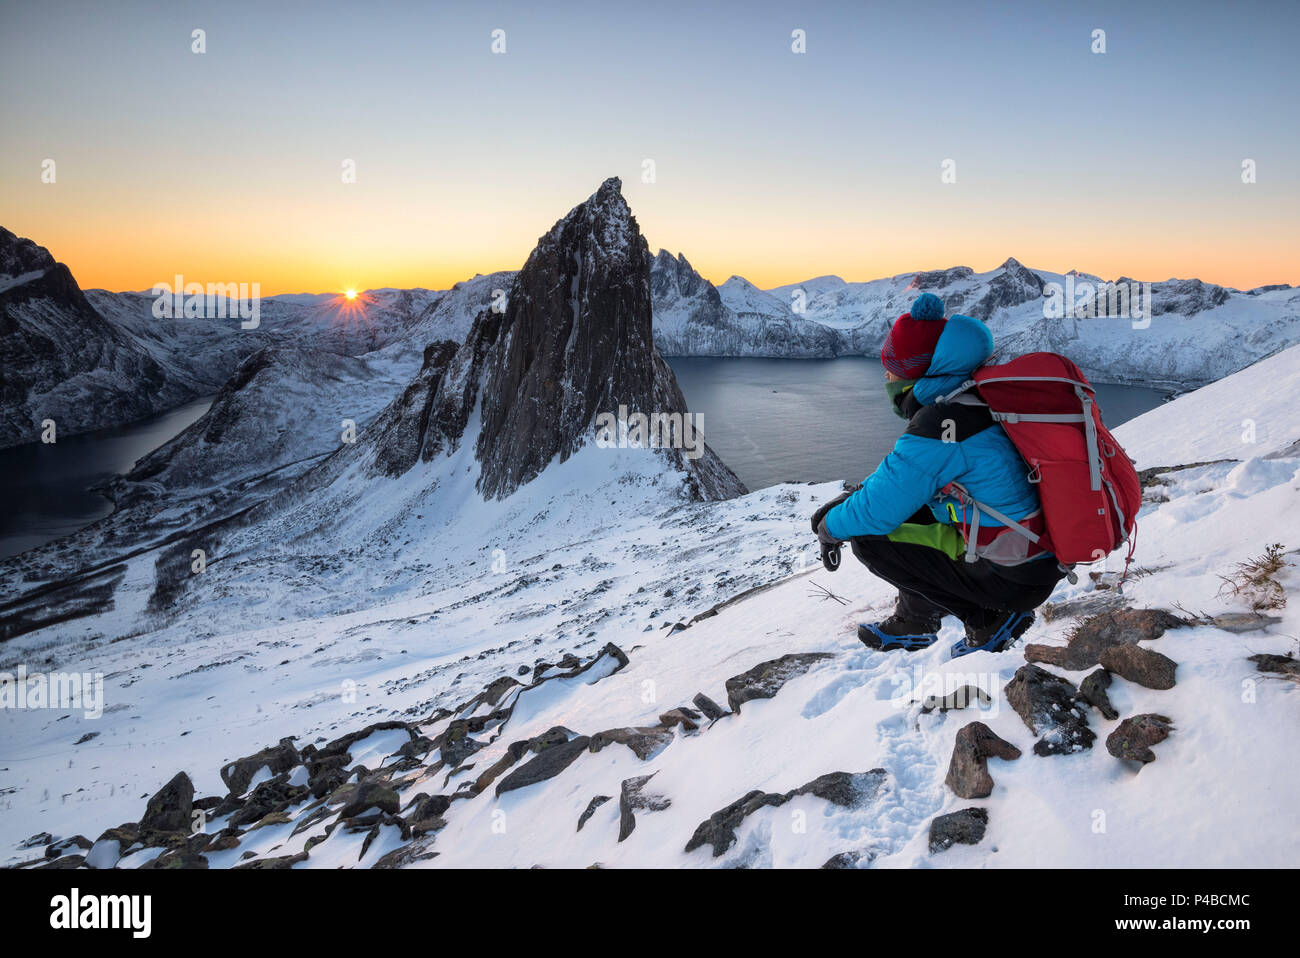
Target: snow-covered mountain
column 587, row 672
column 1196, row 333
column 62, row 361
column 98, row 359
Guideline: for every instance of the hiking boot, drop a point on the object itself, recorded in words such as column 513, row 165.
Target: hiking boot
column 896, row 632
column 998, row 635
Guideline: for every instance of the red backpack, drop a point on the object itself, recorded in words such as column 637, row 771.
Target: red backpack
column 1087, row 484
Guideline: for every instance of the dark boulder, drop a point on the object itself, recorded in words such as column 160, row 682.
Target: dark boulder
column 968, row 772
column 1093, row 691
column 635, row 797
column 965, row 827
column 1099, row 632
column 590, row 810
column 547, row 764
column 645, row 742
column 1048, row 705
column 171, row 808
column 764, row 680
column 238, row 775
column 1146, row 668
column 1135, row 735
column 711, row 709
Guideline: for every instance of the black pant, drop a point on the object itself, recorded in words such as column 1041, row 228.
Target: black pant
column 931, row 584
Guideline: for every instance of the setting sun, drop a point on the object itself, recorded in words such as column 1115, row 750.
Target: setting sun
column 351, row 294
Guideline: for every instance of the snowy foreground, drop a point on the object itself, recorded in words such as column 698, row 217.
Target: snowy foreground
column 317, row 645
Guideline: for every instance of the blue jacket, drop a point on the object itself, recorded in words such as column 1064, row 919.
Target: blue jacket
column 922, row 463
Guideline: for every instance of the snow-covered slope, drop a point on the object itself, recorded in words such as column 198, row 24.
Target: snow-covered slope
column 481, row 631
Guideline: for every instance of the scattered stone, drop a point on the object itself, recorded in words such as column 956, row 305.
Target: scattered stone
column 764, row 680
column 968, row 772
column 1146, row 668
column 371, row 795
column 590, row 810
column 720, row 828
column 86, row 738
column 1278, row 664
column 425, row 813
column 1238, row 622
column 853, row 859
column 1047, row 704
column 964, row 827
column 1099, row 632
column 1093, row 691
column 416, row 851
column 645, row 743
column 841, row 788
column 61, row 847
column 548, row 763
column 455, row 743
column 172, row 808
column 268, row 864
column 238, row 775
column 40, row 838
column 1135, row 735
column 956, row 699
column 687, row 718
column 845, row 789
column 634, row 798
column 711, row 709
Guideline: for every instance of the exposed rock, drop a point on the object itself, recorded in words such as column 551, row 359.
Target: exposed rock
column 268, row 864
column 238, row 775
column 1093, row 691
column 578, row 342
column 1147, row 668
column 272, row 796
column 687, row 718
column 172, row 807
column 1047, row 704
column 840, row 788
column 416, row 851
column 957, row 699
column 455, row 743
column 720, row 828
column 852, row 859
column 370, row 795
column 1279, row 664
column 634, row 797
column 711, row 709
column 1136, row 734
column 646, row 742
column 590, row 810
column 964, row 827
column 547, row 764
column 61, row 847
column 1239, row 622
column 764, row 680
column 1102, row 631
column 848, row 790
column 968, row 773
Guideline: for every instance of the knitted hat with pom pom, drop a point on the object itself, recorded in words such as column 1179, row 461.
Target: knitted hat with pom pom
column 909, row 347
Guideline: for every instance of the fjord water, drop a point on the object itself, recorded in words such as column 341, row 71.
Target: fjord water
column 817, row 420
column 771, row 421
column 46, row 488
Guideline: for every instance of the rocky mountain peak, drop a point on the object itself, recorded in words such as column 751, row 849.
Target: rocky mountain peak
column 19, row 255
column 577, row 342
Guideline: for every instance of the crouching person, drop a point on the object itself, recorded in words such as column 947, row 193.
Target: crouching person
column 908, row 523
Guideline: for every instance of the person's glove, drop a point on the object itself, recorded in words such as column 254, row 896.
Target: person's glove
column 829, row 546
column 820, row 514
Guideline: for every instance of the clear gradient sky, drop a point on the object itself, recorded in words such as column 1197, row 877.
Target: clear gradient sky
column 226, row 166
